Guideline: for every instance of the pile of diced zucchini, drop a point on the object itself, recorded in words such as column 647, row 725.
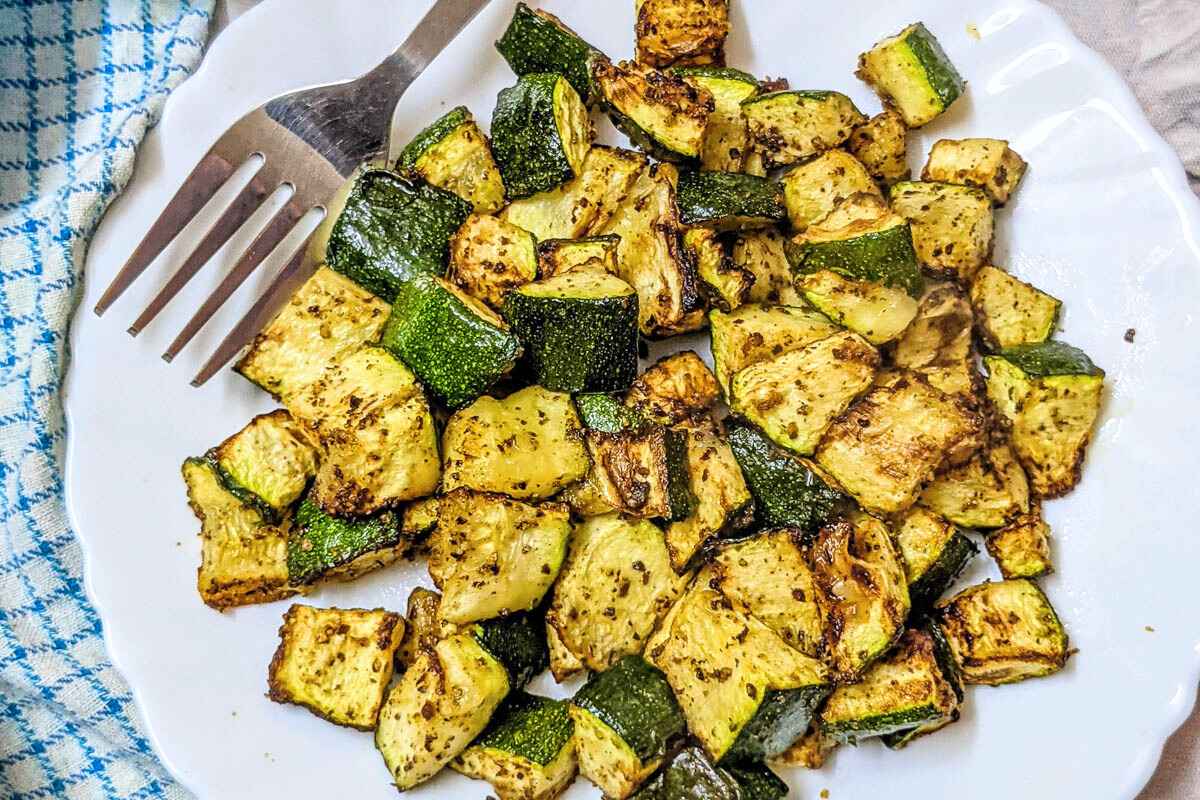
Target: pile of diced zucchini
column 738, row 563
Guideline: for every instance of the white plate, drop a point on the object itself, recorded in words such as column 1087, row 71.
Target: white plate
column 1104, row 221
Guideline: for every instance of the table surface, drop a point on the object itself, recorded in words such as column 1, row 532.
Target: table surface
column 1151, row 42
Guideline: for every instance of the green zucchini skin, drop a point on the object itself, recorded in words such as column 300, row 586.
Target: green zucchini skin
column 679, row 477
column 526, row 142
column 940, row 72
column 518, row 641
column 882, row 725
column 716, row 73
column 454, row 351
column 604, row 412
column 886, row 257
column 434, row 133
column 530, row 726
column 634, row 699
column 539, row 42
column 270, row 515
column 691, row 775
column 780, row 720
column 955, row 556
column 729, row 201
column 786, row 493
column 946, row 661
column 758, row 782
column 575, row 344
column 1050, row 358
column 393, row 229
column 319, row 542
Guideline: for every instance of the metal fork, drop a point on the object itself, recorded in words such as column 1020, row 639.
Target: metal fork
column 311, row 140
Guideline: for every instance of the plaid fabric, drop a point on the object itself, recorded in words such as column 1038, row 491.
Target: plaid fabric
column 80, row 82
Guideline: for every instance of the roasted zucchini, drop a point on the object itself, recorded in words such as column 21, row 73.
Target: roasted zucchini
column 934, row 552
column 457, row 345
column 890, row 442
column 787, row 127
column 439, row 706
column 755, row 333
column 862, row 592
column 1050, row 395
column 951, row 226
column 763, row 254
column 794, row 397
column 987, row 164
column 267, row 464
column 383, row 229
column 528, row 445
column 912, row 74
column 683, row 32
column 527, row 751
column 940, row 334
column 674, row 389
column 878, row 313
column 423, row 626
column 786, row 490
column 335, row 662
column 243, row 559
column 625, row 719
column 453, row 154
column 813, row 189
column 541, row 133
column 537, row 41
column 725, row 284
column 492, row 555
column 616, row 584
column 723, row 500
column 1003, row 632
column 660, row 112
column 881, row 145
column 329, row 317
column 986, row 492
column 607, row 413
column 518, row 642
column 691, row 774
column 726, row 140
column 1021, row 549
column 579, row 331
column 1012, row 312
column 490, row 258
column 321, row 546
column 729, row 201
column 643, row 472
column 595, row 253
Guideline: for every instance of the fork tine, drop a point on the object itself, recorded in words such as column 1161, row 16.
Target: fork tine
column 250, row 198
column 296, row 271
column 266, row 241
column 199, row 186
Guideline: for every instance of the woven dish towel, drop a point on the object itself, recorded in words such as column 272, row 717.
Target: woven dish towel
column 80, row 82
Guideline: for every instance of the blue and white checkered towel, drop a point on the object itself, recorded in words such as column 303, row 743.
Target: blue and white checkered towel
column 80, row 82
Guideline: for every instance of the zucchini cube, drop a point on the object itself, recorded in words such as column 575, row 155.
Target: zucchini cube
column 987, row 164
column 747, row 695
column 662, row 114
column 912, row 74
column 681, row 32
column 863, row 592
column 723, row 500
column 616, row 584
column 492, row 555
column 423, row 626
column 625, row 718
column 952, row 226
column 327, row 319
column 787, row 490
column 560, row 256
column 325, row 547
column 726, row 285
column 383, row 229
column 890, row 442
column 793, row 398
column 881, row 145
column 419, row 518
column 878, row 313
column 527, row 751
column 517, row 641
column 815, row 188
column 789, row 126
column 1012, row 312
column 674, row 389
column 986, row 492
column 489, row 258
column 691, row 774
column 726, row 144
column 453, row 154
column 543, row 450
column 753, row 333
column 243, row 558
column 541, row 133
column 1050, row 395
column 1021, row 549
column 537, row 41
column 439, row 706
column 267, row 464
column 643, row 472
column 768, row 577
column 579, row 331
column 729, row 201
column 457, row 346
column 905, row 690
column 336, row 662
column 940, row 334
column 763, row 254
column 1003, row 632
column 934, row 552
